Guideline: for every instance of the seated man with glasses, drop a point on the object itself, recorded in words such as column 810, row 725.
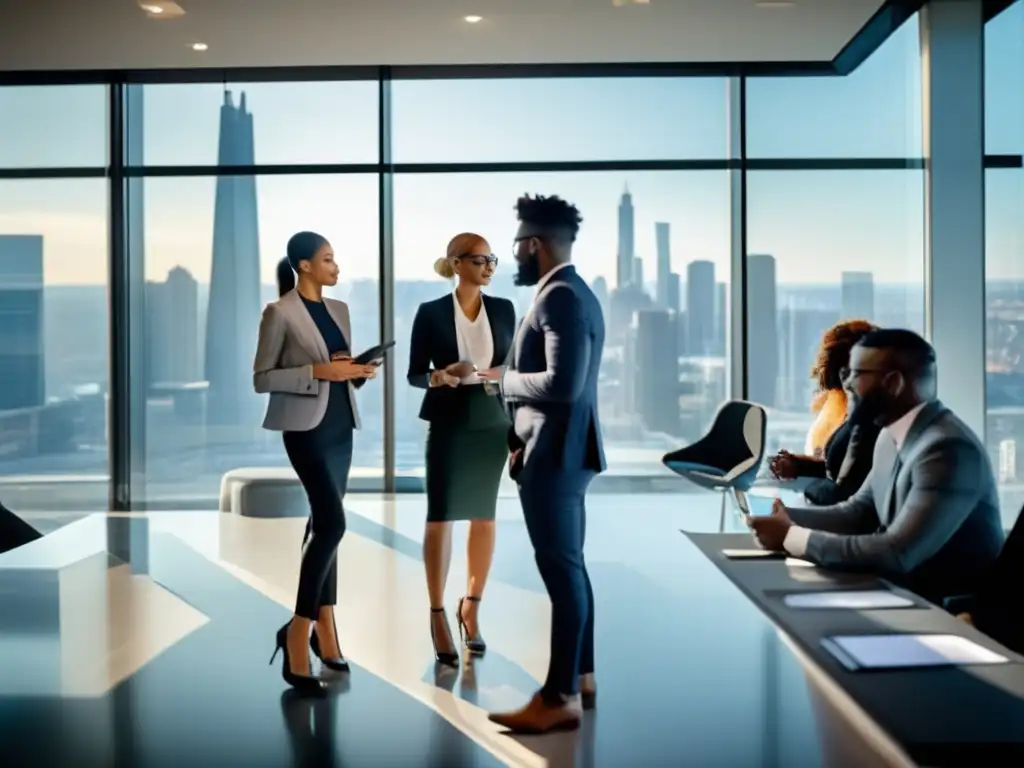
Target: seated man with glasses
column 927, row 516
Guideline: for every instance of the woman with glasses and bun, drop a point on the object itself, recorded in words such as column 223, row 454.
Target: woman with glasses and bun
column 303, row 361
column 453, row 337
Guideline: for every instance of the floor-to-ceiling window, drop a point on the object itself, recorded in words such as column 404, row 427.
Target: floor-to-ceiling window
column 1004, row 254
column 53, row 298
column 220, row 176
column 645, row 161
column 835, row 206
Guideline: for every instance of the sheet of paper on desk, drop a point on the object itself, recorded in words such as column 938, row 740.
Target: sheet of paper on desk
column 794, row 562
column 851, row 599
column 897, row 651
column 755, row 554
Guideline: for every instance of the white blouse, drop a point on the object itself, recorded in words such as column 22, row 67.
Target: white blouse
column 476, row 344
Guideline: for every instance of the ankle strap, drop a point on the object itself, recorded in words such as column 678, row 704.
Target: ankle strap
column 472, row 599
column 437, row 610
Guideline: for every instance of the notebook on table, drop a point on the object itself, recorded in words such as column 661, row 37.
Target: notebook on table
column 848, row 599
column 907, row 651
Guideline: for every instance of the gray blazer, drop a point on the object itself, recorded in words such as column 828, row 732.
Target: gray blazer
column 934, row 527
column 289, row 345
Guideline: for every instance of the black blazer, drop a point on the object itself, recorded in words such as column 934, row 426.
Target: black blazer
column 435, row 346
column 849, row 454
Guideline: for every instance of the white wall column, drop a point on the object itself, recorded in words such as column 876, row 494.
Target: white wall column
column 952, row 58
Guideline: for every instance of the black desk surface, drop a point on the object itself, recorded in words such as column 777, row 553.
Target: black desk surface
column 940, row 716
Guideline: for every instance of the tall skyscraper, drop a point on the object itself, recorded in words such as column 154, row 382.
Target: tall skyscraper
column 22, row 381
column 655, row 370
column 172, row 333
column 800, row 332
column 627, row 241
column 721, row 317
column 672, row 296
column 762, row 329
column 233, row 314
column 638, row 273
column 700, row 308
column 858, row 295
column 664, row 264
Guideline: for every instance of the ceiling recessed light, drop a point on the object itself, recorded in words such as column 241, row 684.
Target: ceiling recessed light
column 161, row 9
column 199, row 46
column 474, row 19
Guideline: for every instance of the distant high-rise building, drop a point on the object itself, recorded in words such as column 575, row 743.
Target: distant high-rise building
column 22, row 373
column 721, row 315
column 799, row 335
column 700, row 308
column 656, row 376
column 233, row 314
column 638, row 273
column 172, row 334
column 627, row 241
column 672, row 297
column 664, row 265
column 858, row 295
column 762, row 329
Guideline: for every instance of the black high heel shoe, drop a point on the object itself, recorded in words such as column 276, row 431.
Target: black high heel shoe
column 474, row 644
column 304, row 683
column 443, row 657
column 339, row 664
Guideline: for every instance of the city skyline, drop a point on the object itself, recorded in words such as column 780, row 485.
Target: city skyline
column 813, row 221
column 822, row 245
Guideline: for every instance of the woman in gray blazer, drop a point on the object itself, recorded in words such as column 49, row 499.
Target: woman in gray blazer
column 303, row 361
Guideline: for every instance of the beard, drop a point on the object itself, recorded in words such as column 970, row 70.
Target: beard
column 528, row 272
column 872, row 407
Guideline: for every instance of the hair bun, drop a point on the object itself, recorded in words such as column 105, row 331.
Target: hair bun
column 443, row 267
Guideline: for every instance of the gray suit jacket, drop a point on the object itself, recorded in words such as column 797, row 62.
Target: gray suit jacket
column 289, row 345
column 934, row 527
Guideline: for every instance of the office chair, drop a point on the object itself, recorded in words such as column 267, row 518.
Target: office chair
column 728, row 457
column 995, row 609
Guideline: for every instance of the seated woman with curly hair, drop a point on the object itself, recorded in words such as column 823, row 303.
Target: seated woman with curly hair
column 839, row 450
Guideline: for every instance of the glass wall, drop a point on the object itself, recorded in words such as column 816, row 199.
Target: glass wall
column 650, row 403
column 208, row 254
column 835, row 219
column 53, row 299
column 1004, row 254
column 219, row 176
column 644, row 231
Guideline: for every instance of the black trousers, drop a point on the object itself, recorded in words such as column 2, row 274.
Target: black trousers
column 555, row 513
column 322, row 458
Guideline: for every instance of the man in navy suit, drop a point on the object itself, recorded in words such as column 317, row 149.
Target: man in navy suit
column 555, row 444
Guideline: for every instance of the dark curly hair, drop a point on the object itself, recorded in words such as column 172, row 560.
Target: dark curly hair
column 553, row 215
column 834, row 352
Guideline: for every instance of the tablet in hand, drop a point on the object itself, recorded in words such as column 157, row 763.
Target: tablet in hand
column 374, row 355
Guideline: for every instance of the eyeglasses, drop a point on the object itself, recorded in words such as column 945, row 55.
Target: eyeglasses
column 518, row 240
column 479, row 259
column 847, row 374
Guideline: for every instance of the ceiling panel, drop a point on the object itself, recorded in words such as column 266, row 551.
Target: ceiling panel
column 119, row 34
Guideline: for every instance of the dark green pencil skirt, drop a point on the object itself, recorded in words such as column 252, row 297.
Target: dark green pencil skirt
column 465, row 461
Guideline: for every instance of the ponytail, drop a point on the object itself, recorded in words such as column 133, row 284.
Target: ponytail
column 285, row 277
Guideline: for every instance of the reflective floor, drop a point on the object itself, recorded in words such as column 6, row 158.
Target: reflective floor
column 143, row 640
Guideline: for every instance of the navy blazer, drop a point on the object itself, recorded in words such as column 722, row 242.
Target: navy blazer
column 849, row 453
column 551, row 382
column 435, row 346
